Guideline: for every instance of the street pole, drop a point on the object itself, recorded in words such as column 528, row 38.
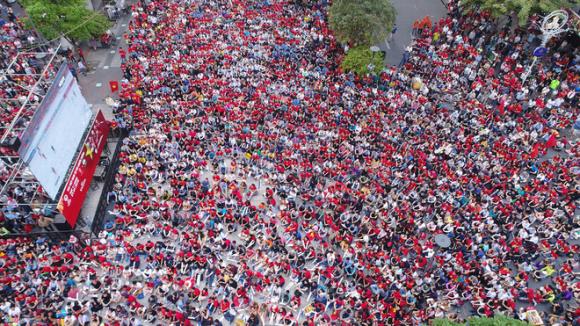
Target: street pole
column 530, row 67
column 552, row 25
column 374, row 49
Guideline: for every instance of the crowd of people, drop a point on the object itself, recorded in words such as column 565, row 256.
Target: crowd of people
column 262, row 185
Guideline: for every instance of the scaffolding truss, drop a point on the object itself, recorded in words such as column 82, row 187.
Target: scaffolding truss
column 23, row 86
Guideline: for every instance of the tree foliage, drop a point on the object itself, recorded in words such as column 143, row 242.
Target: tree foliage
column 481, row 321
column 53, row 18
column 444, row 322
column 360, row 59
column 496, row 321
column 362, row 22
column 521, row 8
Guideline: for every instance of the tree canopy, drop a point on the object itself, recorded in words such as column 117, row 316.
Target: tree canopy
column 53, row 18
column 481, row 321
column 520, row 8
column 362, row 22
column 362, row 61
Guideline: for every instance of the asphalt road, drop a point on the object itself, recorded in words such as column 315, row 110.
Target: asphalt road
column 407, row 12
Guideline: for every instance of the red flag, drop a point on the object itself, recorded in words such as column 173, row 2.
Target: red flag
column 551, row 141
column 114, row 85
column 535, row 150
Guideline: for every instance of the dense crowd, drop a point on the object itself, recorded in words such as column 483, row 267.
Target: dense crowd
column 261, row 185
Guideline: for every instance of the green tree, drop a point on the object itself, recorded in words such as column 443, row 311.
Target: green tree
column 498, row 320
column 444, row 322
column 360, row 59
column 362, row 22
column 519, row 10
column 71, row 18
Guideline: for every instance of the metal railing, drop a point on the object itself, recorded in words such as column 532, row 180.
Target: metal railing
column 60, row 231
column 108, row 181
column 58, row 235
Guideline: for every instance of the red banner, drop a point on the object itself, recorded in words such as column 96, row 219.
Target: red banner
column 114, row 85
column 77, row 186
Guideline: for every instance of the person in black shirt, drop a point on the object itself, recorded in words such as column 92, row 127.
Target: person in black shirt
column 96, row 305
column 106, row 298
column 207, row 321
column 96, row 284
column 77, row 307
column 254, row 320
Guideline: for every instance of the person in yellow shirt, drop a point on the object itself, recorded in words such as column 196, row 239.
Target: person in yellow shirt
column 548, row 270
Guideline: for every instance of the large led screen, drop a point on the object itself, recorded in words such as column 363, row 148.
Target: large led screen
column 51, row 140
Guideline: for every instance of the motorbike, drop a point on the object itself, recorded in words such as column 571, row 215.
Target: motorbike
column 105, row 41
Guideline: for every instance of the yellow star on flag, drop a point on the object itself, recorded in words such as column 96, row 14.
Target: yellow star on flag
column 89, row 151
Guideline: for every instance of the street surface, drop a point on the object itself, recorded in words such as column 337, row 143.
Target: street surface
column 407, row 12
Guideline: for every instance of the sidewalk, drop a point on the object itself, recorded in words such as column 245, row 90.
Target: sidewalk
column 407, row 12
column 104, row 65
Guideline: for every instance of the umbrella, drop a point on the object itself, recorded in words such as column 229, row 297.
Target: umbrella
column 442, row 240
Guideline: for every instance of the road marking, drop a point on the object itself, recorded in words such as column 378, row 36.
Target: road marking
column 105, row 67
column 113, row 52
column 98, row 85
column 123, row 25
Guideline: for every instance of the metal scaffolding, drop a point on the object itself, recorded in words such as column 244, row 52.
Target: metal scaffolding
column 24, row 84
